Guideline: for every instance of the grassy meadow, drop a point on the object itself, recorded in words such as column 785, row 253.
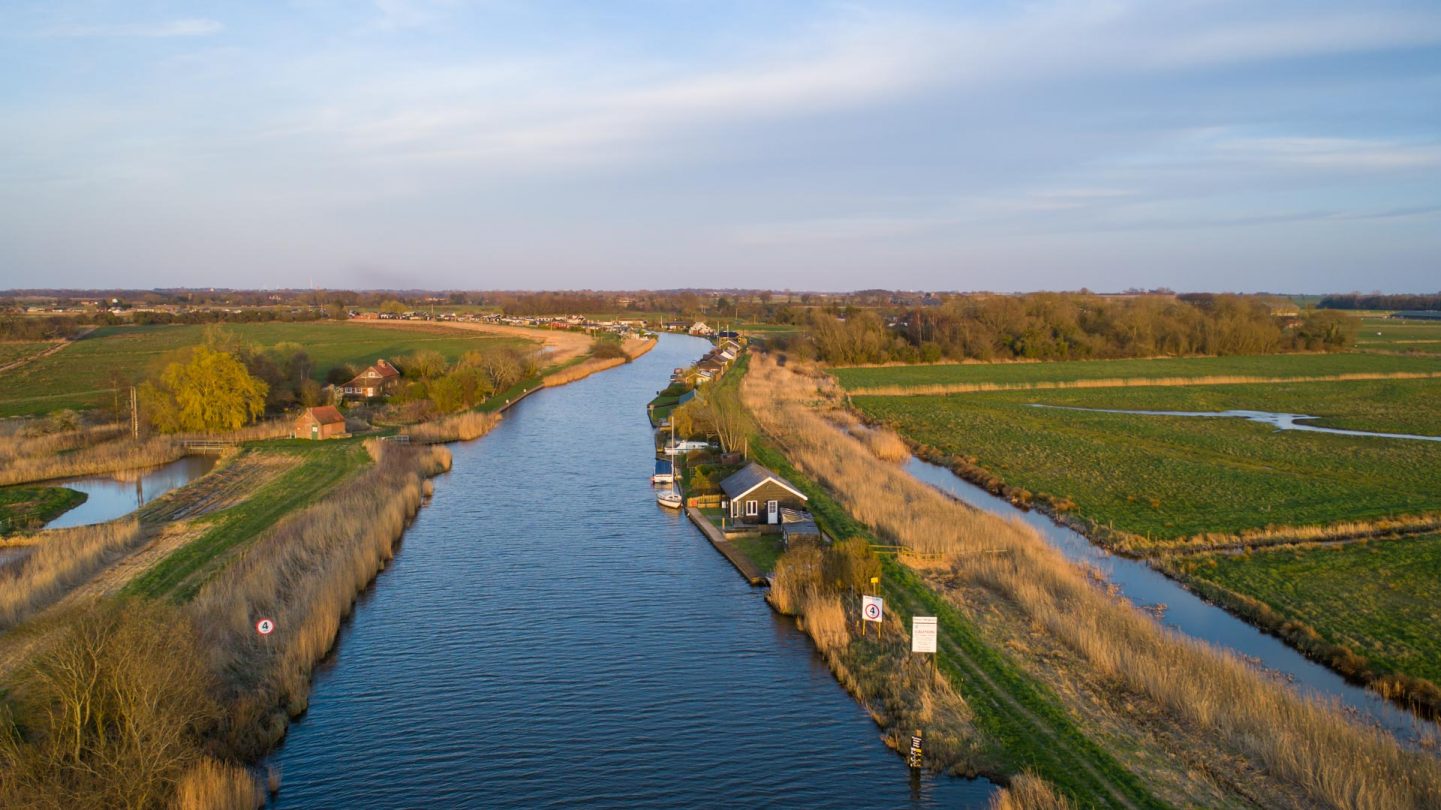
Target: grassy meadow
column 1021, row 374
column 32, row 507
column 1380, row 599
column 1171, row 477
column 82, row 374
column 15, row 350
column 1385, row 334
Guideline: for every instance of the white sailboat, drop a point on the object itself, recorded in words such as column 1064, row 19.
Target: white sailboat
column 670, row 497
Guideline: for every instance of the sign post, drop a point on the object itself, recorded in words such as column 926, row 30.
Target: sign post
column 873, row 609
column 923, row 634
column 915, row 757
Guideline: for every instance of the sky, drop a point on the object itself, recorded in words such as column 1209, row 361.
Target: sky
column 1287, row 146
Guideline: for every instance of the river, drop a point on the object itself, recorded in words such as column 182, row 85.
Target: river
column 548, row 636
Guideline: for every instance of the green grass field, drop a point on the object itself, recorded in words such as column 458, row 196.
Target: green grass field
column 1381, row 599
column 1385, row 334
column 32, row 507
column 13, row 350
column 1169, row 477
column 1268, row 365
column 324, row 465
column 81, row 375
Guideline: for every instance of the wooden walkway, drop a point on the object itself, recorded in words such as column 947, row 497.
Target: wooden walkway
column 717, row 538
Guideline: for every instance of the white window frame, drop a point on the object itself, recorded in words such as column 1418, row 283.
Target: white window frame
column 753, row 507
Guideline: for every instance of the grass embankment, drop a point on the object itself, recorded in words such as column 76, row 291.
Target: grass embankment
column 1243, row 369
column 1015, row 724
column 24, row 508
column 304, row 573
column 1369, row 610
column 1194, row 725
column 126, row 702
column 1143, row 482
column 82, row 375
column 323, row 465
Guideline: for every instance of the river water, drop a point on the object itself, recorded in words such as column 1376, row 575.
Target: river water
column 548, row 636
column 110, row 496
column 1184, row 611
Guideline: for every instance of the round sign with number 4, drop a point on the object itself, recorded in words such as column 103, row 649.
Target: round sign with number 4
column 265, row 627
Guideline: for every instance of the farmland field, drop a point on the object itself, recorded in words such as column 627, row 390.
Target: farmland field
column 13, row 350
column 1385, row 334
column 81, row 375
column 1266, row 365
column 1381, row 600
column 1167, row 477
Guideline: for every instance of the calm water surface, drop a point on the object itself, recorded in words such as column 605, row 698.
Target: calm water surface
column 550, row 637
column 111, row 497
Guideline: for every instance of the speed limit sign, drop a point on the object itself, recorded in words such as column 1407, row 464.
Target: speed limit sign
column 265, row 627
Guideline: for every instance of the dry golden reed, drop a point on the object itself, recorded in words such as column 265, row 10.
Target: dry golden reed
column 60, row 560
column 458, row 427
column 1122, row 382
column 214, row 785
column 583, row 369
column 1028, row 792
column 305, row 574
column 1308, row 744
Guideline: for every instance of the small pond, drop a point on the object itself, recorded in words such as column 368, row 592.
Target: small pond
column 112, row 496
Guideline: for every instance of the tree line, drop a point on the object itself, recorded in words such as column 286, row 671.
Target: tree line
column 1377, row 301
column 1066, row 326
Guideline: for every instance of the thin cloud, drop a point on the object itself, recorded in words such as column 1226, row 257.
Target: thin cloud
column 194, row 27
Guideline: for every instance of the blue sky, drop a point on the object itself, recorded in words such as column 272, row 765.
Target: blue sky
column 1196, row 144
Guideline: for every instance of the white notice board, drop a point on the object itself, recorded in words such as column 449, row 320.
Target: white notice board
column 923, row 634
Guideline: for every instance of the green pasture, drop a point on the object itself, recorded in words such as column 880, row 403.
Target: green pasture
column 83, row 374
column 1169, row 477
column 1387, row 334
column 1380, row 599
column 1265, row 365
column 13, row 350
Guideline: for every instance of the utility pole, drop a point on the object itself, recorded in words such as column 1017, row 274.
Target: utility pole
column 134, row 415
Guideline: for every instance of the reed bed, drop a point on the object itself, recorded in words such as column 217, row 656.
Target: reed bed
column 61, row 560
column 583, row 369
column 304, row 574
column 94, row 460
column 1125, row 382
column 22, row 444
column 458, row 427
column 1028, row 792
column 635, row 347
column 1307, row 744
column 214, row 785
column 898, row 695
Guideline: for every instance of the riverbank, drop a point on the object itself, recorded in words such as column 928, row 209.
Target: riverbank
column 292, row 531
column 1195, row 726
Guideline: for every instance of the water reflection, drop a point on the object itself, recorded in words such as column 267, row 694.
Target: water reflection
column 113, row 496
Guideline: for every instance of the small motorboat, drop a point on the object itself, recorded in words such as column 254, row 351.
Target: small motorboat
column 664, row 472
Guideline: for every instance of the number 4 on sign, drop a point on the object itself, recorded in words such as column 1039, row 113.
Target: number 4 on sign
column 265, row 627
